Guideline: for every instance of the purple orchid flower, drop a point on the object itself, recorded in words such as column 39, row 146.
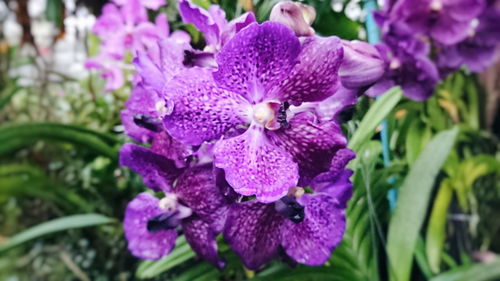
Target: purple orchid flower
column 406, row 64
column 477, row 51
column 195, row 202
column 111, row 70
column 446, row 21
column 305, row 227
column 213, row 24
column 262, row 71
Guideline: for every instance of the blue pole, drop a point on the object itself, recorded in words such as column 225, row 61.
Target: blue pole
column 373, row 38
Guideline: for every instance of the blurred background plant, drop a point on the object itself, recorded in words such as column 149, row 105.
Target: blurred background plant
column 62, row 193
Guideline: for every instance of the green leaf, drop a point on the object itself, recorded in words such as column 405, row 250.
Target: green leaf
column 15, row 137
column 436, row 231
column 7, row 95
column 477, row 272
column 410, row 212
column 56, row 225
column 377, row 112
column 181, row 253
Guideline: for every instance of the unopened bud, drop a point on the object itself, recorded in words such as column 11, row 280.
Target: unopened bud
column 296, row 16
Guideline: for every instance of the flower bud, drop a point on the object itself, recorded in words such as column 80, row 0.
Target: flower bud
column 296, row 16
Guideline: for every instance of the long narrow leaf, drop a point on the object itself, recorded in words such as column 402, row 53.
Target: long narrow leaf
column 412, row 205
column 377, row 112
column 477, row 272
column 56, row 225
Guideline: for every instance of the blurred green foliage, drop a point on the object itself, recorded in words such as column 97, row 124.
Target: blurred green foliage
column 58, row 159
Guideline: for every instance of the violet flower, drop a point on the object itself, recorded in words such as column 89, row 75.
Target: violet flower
column 477, row 51
column 262, row 70
column 297, row 16
column 305, row 227
column 446, row 21
column 195, row 202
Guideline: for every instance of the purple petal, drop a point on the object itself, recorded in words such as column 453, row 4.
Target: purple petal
column 153, row 4
column 337, row 166
column 201, row 238
column 165, row 145
column 141, row 102
column 380, row 87
column 134, row 13
column 362, row 65
column 315, row 77
column 201, row 19
column 201, row 111
column 197, row 188
column 257, row 58
column 114, row 78
column 253, row 232
column 142, row 243
column 255, row 166
column 157, row 172
column 312, row 241
column 330, row 108
column 109, row 22
column 236, row 25
column 312, row 144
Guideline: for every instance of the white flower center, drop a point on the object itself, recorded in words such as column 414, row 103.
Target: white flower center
column 472, row 27
column 436, row 5
column 395, row 64
column 169, row 202
column 263, row 113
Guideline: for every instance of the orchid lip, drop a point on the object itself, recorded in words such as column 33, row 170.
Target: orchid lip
column 290, row 208
column 165, row 221
column 148, row 122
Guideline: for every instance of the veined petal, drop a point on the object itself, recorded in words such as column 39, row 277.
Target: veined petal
column 201, row 238
column 236, row 25
column 311, row 143
column 315, row 77
column 157, row 172
column 312, row 241
column 197, row 188
column 256, row 59
column 255, row 166
column 201, row 111
column 253, row 232
column 142, row 243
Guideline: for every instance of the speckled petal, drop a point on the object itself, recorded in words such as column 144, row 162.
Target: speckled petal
column 157, row 172
column 201, row 111
column 165, row 145
column 257, row 58
column 255, row 166
column 236, row 25
column 253, row 232
column 312, row 241
column 197, row 188
column 141, row 242
column 311, row 143
column 201, row 238
column 315, row 77
column 338, row 164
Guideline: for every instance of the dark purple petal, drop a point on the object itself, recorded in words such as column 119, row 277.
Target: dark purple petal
column 315, row 77
column 337, row 166
column 312, row 241
column 157, row 172
column 201, row 19
column 380, row 87
column 311, row 143
column 256, row 59
column 165, row 145
column 362, row 65
column 197, row 189
column 253, row 232
column 201, row 111
column 142, row 243
column 332, row 107
column 255, row 166
column 201, row 238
